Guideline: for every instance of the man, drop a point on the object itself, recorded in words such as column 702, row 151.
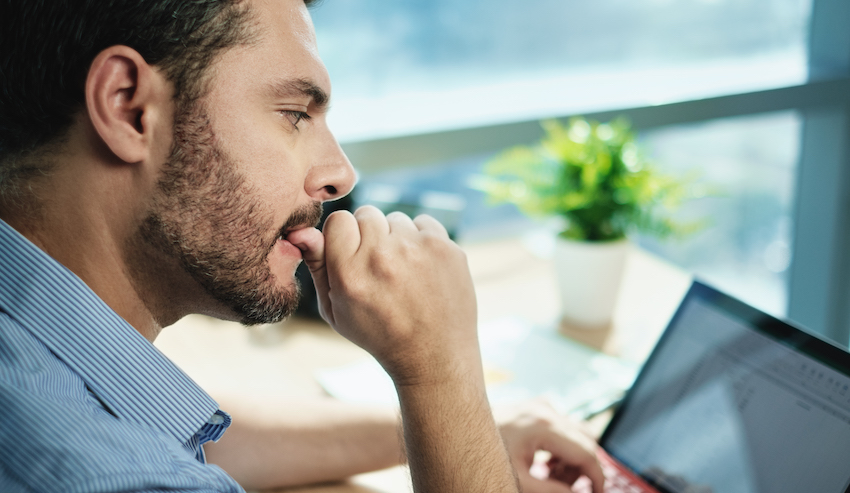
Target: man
column 163, row 157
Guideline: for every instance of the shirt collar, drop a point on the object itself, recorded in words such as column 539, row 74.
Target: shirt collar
column 128, row 373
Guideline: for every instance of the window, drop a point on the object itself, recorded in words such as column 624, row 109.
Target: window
column 750, row 162
column 446, row 84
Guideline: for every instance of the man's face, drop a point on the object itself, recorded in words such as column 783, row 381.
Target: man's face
column 251, row 161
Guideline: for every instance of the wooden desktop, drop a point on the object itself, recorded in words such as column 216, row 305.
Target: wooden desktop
column 281, row 359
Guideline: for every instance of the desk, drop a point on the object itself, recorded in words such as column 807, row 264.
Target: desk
column 280, row 359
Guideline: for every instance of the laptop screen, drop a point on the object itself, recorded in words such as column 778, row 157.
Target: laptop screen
column 733, row 400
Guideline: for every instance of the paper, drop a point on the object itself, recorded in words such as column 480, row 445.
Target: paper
column 521, row 361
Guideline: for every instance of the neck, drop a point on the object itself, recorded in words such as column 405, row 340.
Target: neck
column 86, row 213
column 84, row 238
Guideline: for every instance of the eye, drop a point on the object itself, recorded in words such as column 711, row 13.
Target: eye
column 295, row 117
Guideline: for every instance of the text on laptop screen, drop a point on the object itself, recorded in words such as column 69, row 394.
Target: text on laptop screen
column 723, row 407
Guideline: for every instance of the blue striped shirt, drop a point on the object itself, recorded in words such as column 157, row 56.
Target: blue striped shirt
column 86, row 403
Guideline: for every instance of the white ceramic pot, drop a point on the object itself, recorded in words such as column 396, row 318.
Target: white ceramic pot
column 589, row 277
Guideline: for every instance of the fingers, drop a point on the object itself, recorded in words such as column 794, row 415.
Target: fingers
column 311, row 242
column 390, row 276
column 554, row 476
column 342, row 236
column 576, row 461
column 372, row 225
column 429, row 224
column 400, row 223
column 346, row 233
column 539, row 426
column 562, row 472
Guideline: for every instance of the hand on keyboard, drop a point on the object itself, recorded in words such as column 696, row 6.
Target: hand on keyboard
column 535, row 426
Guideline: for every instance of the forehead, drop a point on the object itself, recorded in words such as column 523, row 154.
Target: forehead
column 284, row 48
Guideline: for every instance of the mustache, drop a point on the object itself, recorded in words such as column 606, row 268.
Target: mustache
column 308, row 215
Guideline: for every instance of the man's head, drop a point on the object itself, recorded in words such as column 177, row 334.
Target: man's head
column 48, row 46
column 249, row 159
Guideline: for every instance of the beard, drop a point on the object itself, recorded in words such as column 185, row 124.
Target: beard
column 203, row 216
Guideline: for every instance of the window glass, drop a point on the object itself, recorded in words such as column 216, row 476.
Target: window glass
column 745, row 249
column 419, row 65
column 748, row 163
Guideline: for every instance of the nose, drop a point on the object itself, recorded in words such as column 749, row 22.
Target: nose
column 333, row 176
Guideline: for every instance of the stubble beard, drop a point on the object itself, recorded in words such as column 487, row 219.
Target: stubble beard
column 203, row 217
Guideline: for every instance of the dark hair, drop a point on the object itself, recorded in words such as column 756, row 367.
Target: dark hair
column 47, row 46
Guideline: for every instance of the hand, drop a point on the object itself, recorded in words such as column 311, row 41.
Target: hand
column 401, row 289
column 397, row 287
column 535, row 426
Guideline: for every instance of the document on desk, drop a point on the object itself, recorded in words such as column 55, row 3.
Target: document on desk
column 521, row 361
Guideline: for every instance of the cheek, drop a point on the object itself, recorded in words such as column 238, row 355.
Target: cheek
column 280, row 171
column 276, row 171
column 279, row 189
column 269, row 158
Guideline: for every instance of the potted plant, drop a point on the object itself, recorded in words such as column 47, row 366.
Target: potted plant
column 594, row 176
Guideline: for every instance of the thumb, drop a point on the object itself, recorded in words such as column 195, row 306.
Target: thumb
column 311, row 242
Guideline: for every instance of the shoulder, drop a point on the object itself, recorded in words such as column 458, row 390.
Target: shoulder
column 56, row 436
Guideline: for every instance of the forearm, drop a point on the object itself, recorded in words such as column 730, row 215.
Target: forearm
column 451, row 439
column 294, row 442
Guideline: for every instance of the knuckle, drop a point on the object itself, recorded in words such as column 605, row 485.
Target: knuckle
column 382, row 262
column 367, row 209
column 397, row 215
column 368, row 213
column 436, row 242
column 336, row 217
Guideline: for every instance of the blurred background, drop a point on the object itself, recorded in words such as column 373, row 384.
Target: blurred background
column 751, row 95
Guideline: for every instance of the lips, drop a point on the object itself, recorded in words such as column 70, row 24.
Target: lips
column 283, row 245
column 286, row 233
column 306, row 216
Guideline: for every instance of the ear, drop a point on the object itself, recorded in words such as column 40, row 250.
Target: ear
column 127, row 101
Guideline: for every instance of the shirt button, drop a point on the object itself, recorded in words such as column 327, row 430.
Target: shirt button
column 216, row 419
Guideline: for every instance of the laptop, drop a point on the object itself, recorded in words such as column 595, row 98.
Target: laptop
column 732, row 400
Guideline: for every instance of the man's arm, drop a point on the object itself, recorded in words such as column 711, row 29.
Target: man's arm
column 401, row 289
column 281, row 442
column 451, row 438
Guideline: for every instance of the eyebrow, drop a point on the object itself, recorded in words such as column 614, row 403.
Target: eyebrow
column 300, row 87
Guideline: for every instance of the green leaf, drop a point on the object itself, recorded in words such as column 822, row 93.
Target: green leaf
column 595, row 176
